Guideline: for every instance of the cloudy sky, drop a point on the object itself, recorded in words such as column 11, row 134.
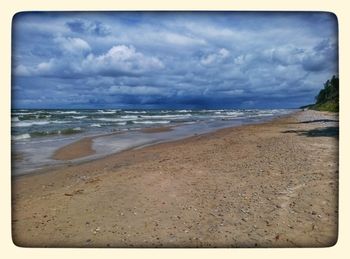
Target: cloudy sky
column 171, row 60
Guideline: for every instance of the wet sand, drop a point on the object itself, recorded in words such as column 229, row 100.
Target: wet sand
column 273, row 184
column 157, row 130
column 78, row 149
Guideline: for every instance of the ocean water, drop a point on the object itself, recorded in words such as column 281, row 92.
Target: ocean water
column 36, row 134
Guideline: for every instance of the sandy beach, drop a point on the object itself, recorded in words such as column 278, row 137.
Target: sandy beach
column 273, row 184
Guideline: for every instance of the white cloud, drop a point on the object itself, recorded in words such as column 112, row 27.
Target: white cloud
column 216, row 57
column 45, row 67
column 72, row 45
column 178, row 39
column 121, row 58
column 21, row 70
column 243, row 59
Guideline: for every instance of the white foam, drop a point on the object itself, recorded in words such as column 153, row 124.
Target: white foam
column 67, row 112
column 135, row 112
column 234, row 113
column 95, row 125
column 15, row 119
column 22, row 136
column 174, row 116
column 151, row 122
column 133, row 117
column 23, row 113
column 29, row 123
column 79, row 117
column 60, row 122
column 110, row 119
column 106, row 112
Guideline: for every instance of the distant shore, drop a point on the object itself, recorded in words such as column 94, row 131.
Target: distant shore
column 272, row 184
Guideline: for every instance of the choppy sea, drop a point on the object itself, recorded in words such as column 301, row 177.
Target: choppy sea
column 36, row 134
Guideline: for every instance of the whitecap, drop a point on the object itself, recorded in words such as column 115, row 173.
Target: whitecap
column 110, row 119
column 29, row 123
column 129, row 117
column 135, row 112
column 174, row 116
column 60, row 122
column 67, row 112
column 151, row 122
column 22, row 136
column 79, row 117
column 106, row 112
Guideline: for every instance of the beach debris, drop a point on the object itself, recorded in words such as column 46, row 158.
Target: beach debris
column 79, row 191
column 93, row 180
column 244, row 211
column 96, row 230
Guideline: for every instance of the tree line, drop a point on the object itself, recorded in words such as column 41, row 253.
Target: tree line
column 328, row 97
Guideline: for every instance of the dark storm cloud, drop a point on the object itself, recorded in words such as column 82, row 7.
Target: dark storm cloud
column 172, row 59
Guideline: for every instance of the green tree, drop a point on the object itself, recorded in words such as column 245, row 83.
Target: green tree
column 328, row 97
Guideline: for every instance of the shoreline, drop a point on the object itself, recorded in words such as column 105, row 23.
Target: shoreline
column 83, row 148
column 78, row 149
column 34, row 140
column 219, row 189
